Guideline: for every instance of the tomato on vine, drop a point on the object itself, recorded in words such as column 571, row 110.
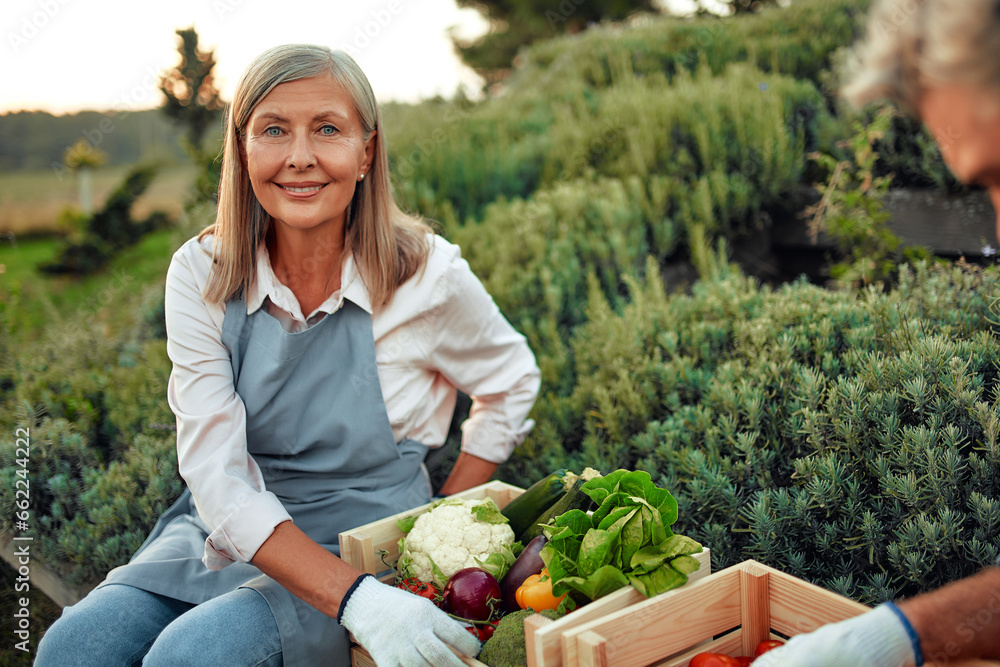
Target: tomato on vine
column 421, row 588
column 483, row 631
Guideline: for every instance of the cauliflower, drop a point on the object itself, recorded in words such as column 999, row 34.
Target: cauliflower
column 455, row 534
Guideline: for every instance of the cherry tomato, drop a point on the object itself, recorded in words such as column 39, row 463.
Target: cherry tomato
column 766, row 646
column 483, row 632
column 743, row 661
column 418, row 587
column 713, row 660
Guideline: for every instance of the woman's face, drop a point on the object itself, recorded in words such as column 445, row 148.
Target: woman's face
column 965, row 122
column 305, row 153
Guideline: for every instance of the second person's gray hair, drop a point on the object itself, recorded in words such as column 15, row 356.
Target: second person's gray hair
column 910, row 43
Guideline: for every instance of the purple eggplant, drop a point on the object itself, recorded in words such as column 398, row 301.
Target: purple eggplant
column 528, row 563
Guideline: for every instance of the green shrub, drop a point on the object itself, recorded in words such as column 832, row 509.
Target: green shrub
column 111, row 229
column 797, row 41
column 88, row 517
column 848, row 439
column 708, row 153
column 102, row 466
column 578, row 96
column 852, row 213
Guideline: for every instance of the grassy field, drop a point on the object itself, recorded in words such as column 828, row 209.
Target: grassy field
column 32, row 301
column 31, row 201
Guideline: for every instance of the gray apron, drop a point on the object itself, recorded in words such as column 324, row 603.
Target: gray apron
column 318, row 429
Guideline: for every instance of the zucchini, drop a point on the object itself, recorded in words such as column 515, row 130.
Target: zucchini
column 574, row 499
column 522, row 511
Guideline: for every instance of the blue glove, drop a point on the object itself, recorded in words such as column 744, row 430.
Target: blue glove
column 882, row 637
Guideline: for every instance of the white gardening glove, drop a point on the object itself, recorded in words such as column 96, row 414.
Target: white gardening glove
column 400, row 629
column 879, row 638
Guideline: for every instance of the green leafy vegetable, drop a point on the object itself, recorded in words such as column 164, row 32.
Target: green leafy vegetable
column 488, row 512
column 406, row 523
column 627, row 540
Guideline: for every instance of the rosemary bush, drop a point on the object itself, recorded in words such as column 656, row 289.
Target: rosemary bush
column 102, row 464
column 848, row 438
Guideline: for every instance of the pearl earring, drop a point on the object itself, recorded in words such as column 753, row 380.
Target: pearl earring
column 362, row 177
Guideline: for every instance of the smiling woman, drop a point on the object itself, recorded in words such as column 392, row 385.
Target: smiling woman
column 304, row 165
column 318, row 337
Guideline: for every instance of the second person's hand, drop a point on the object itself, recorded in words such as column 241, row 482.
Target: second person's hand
column 877, row 638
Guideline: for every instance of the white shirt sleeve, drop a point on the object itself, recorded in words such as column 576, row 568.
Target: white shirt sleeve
column 474, row 347
column 225, row 481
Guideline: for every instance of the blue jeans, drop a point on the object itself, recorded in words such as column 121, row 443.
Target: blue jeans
column 121, row 626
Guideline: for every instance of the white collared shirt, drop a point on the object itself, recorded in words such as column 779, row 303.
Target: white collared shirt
column 441, row 331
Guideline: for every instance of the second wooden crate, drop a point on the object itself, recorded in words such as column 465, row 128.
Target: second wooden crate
column 728, row 612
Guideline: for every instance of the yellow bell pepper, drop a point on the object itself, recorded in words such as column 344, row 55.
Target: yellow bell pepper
column 536, row 593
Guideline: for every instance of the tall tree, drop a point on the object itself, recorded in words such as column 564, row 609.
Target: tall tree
column 516, row 23
column 192, row 99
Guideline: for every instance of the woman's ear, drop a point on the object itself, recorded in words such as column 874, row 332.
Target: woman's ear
column 369, row 152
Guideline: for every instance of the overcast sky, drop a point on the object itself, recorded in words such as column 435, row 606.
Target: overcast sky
column 67, row 55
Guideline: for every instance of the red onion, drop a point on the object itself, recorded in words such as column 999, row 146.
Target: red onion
column 468, row 594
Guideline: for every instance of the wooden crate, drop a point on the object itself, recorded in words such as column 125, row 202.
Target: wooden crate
column 543, row 636
column 359, row 547
column 728, row 612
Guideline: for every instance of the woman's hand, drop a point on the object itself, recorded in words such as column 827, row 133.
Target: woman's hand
column 399, row 628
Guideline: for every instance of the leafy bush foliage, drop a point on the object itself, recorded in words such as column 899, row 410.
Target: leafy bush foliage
column 797, row 41
column 850, row 439
column 659, row 163
column 102, row 465
column 450, row 160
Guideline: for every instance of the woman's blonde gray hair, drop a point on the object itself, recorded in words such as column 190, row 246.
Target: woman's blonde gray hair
column 388, row 245
column 910, row 43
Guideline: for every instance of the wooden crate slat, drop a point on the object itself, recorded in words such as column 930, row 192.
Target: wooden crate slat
column 533, row 625
column 555, row 645
column 729, row 644
column 591, row 650
column 361, row 658
column 798, row 606
column 755, row 606
column 666, row 624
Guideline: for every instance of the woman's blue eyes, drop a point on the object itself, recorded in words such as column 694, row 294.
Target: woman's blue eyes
column 326, row 130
